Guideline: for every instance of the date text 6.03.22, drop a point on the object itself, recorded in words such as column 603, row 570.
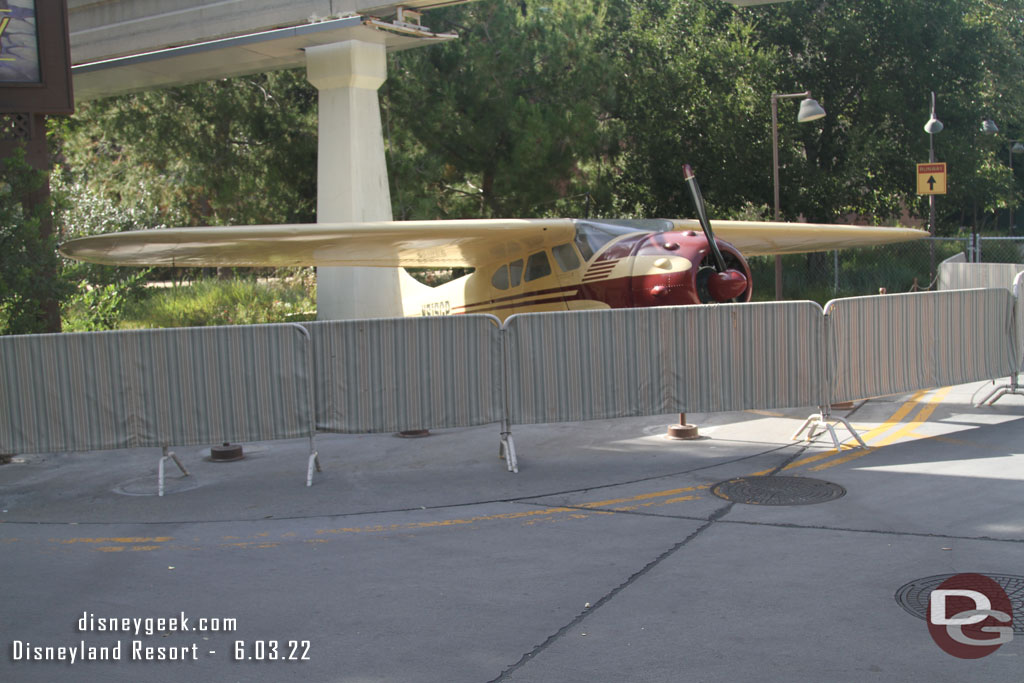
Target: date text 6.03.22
column 271, row 651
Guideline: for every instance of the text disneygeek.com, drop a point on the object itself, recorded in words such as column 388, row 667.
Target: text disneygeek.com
column 137, row 649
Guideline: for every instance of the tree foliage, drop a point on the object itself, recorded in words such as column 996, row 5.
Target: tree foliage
column 504, row 121
column 226, row 152
column 29, row 279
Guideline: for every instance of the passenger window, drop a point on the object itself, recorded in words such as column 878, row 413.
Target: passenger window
column 500, row 279
column 537, row 266
column 515, row 273
column 565, row 257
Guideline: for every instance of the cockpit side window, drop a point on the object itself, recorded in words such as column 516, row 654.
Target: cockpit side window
column 537, row 266
column 515, row 272
column 565, row 257
column 500, row 278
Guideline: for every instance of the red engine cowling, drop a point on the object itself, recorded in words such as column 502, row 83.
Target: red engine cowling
column 678, row 268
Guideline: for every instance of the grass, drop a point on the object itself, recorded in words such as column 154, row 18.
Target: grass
column 211, row 301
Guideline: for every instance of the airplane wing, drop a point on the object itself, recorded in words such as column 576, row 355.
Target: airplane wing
column 429, row 244
column 413, row 244
column 755, row 238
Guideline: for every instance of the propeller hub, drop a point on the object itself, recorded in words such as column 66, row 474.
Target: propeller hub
column 727, row 285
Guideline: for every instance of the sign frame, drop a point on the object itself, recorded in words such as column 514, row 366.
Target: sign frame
column 53, row 92
column 934, row 171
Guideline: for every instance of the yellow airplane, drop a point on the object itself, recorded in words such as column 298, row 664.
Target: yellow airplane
column 545, row 264
column 521, row 265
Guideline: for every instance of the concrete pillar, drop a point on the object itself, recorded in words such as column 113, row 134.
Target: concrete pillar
column 352, row 176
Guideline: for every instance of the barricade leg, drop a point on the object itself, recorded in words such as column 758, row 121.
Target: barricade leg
column 507, row 448
column 823, row 421
column 314, row 461
column 1012, row 388
column 166, row 454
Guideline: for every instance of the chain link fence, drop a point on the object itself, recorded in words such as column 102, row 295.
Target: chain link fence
column 896, row 268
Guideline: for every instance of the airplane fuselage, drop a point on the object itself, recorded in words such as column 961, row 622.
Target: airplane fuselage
column 606, row 265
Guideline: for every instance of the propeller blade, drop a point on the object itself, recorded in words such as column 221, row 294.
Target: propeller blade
column 726, row 284
column 702, row 216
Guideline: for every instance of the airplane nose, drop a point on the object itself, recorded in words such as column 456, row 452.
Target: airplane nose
column 727, row 285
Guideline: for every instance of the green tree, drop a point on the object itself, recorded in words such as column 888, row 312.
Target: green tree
column 697, row 78
column 693, row 84
column 226, row 152
column 873, row 65
column 505, row 121
column 30, row 281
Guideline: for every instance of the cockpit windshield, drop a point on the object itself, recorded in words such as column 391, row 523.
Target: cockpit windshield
column 591, row 236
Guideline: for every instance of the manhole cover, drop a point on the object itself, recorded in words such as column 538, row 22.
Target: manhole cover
column 913, row 596
column 778, row 490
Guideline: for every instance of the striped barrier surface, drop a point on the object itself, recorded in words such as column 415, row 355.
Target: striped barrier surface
column 959, row 275
column 399, row 374
column 589, row 365
column 881, row 345
column 187, row 386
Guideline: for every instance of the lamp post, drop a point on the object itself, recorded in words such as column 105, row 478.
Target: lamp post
column 1016, row 148
column 932, row 127
column 810, row 110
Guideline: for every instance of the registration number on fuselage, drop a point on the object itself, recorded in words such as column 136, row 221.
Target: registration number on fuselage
column 437, row 308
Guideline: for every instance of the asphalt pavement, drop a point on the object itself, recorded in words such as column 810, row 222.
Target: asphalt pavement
column 613, row 555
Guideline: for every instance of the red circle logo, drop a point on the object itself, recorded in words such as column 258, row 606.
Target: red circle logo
column 970, row 616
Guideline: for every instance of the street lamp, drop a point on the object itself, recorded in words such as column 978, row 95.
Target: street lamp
column 810, row 110
column 932, row 127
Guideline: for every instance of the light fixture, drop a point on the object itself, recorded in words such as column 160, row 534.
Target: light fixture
column 989, row 127
column 1017, row 148
column 810, row 110
column 933, row 126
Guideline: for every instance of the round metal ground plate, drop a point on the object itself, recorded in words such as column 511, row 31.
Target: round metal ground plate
column 913, row 596
column 778, row 490
column 149, row 485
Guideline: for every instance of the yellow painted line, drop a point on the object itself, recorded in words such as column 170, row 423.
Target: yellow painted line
column 643, row 496
column 413, row 526
column 250, row 544
column 139, row 539
column 906, row 430
column 680, row 499
column 658, row 503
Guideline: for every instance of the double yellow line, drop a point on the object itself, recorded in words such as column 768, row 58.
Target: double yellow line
column 884, row 430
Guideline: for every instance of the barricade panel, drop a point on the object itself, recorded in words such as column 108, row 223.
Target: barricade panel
column 214, row 384
column 1018, row 295
column 103, row 390
column 64, row 392
column 881, row 345
column 399, row 374
column 956, row 275
column 589, row 365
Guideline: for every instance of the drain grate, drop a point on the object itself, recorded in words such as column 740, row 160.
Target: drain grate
column 778, row 490
column 913, row 596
